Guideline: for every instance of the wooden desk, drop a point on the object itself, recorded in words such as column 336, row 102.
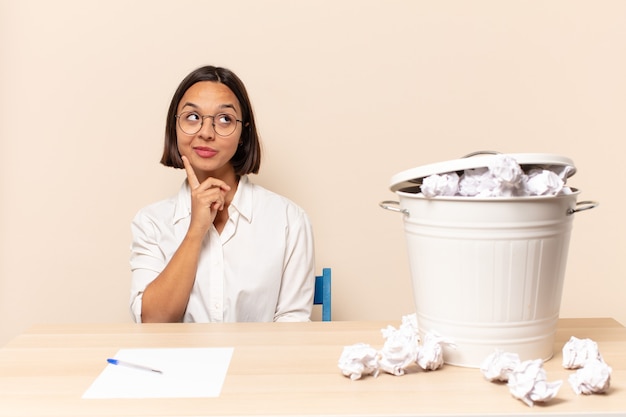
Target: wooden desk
column 281, row 369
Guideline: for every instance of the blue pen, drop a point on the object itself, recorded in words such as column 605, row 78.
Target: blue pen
column 132, row 365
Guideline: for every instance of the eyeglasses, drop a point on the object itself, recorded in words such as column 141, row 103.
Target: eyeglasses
column 191, row 122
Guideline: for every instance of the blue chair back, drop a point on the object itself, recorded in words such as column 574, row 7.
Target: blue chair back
column 322, row 293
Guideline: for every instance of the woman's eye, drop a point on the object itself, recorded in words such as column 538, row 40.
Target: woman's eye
column 225, row 119
column 192, row 117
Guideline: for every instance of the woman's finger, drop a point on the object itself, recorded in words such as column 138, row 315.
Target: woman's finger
column 191, row 175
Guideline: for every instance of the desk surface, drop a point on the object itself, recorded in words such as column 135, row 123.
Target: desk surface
column 281, row 369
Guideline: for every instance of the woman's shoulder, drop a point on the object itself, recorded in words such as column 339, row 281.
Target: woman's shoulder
column 266, row 196
column 271, row 202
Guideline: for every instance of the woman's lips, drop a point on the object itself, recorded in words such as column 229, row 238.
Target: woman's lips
column 205, row 152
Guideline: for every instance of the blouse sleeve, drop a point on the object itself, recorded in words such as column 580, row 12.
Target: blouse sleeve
column 295, row 301
column 146, row 260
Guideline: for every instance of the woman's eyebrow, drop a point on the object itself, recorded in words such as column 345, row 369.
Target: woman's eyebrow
column 195, row 106
column 221, row 106
column 228, row 106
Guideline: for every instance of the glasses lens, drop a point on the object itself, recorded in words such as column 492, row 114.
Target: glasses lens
column 190, row 122
column 224, row 124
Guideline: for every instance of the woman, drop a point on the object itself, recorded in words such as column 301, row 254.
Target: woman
column 222, row 249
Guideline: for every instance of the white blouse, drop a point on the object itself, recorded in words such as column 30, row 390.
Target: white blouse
column 260, row 268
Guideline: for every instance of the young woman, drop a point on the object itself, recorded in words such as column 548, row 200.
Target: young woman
column 223, row 248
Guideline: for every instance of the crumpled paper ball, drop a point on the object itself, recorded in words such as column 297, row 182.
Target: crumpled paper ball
column 430, row 354
column 576, row 352
column 358, row 360
column 499, row 365
column 477, row 182
column 543, row 182
column 508, row 176
column 528, row 383
column 400, row 348
column 442, row 185
column 593, row 378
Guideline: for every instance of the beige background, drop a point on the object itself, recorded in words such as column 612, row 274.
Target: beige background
column 347, row 93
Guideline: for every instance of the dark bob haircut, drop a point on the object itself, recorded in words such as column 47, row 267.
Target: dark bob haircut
column 247, row 159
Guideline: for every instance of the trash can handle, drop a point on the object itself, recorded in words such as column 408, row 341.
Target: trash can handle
column 390, row 205
column 582, row 206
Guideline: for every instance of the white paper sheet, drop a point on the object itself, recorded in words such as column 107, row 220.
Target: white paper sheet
column 186, row 373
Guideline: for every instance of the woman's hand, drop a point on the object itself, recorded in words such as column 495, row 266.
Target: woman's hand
column 207, row 198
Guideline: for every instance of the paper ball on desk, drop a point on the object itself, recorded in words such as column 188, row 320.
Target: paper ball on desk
column 593, row 378
column 499, row 365
column 576, row 352
column 430, row 354
column 399, row 350
column 358, row 360
column 528, row 382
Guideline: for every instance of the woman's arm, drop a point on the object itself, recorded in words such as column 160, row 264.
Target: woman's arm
column 165, row 299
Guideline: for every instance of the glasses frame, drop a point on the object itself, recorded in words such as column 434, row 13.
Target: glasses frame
column 202, row 117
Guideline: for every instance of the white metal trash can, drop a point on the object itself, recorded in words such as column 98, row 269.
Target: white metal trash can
column 487, row 273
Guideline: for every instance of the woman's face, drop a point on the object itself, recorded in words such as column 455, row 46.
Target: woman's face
column 208, row 152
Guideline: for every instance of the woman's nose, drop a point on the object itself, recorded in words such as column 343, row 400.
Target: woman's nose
column 207, row 130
